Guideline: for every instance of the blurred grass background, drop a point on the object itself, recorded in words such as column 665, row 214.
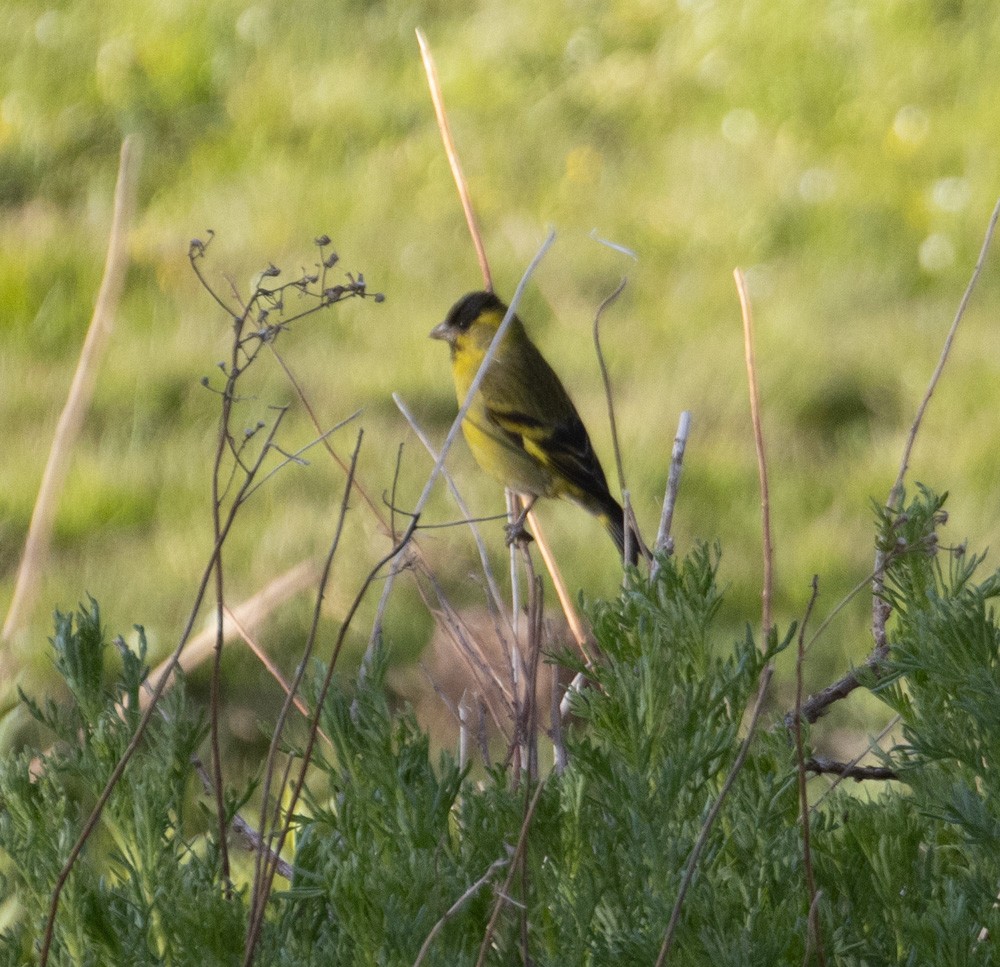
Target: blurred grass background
column 843, row 153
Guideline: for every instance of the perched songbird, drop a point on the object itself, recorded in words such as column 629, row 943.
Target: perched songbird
column 522, row 427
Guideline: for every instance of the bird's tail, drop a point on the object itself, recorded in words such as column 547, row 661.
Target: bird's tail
column 612, row 516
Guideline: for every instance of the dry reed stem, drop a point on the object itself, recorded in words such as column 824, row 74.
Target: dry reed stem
column 562, row 592
column 81, row 391
column 444, row 127
column 272, row 669
column 565, row 601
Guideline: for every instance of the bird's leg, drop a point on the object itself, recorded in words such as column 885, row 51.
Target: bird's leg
column 515, row 529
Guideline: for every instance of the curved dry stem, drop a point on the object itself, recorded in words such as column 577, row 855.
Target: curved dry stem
column 606, row 377
column 270, row 866
column 880, row 609
column 140, row 731
column 522, row 840
column 39, row 539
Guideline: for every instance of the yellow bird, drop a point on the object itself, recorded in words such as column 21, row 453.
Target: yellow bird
column 522, row 427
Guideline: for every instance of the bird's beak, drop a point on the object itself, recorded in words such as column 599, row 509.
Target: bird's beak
column 440, row 331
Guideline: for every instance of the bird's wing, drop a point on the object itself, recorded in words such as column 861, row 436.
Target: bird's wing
column 562, row 447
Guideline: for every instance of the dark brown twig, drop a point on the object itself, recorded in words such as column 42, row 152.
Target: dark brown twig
column 261, row 863
column 270, row 868
column 168, row 669
column 803, row 785
column 847, row 770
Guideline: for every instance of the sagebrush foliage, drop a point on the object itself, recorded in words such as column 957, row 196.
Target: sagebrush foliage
column 389, row 838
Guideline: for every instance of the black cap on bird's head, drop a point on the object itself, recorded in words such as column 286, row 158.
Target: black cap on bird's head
column 465, row 312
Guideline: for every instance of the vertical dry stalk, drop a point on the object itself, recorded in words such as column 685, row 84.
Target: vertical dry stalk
column 39, row 539
column 90, row 825
column 758, row 436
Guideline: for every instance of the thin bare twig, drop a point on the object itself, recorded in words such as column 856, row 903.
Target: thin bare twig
column 758, row 436
column 262, row 867
column 463, row 508
column 456, row 906
column 897, row 487
column 664, row 542
column 239, row 825
column 812, row 936
column 606, row 377
column 272, row 669
column 251, row 611
column 768, row 671
column 270, row 867
column 502, row 895
column 699, row 846
column 39, row 539
column 562, row 592
column 848, row 770
column 880, row 608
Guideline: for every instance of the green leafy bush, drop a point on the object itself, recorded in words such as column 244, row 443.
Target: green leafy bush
column 395, row 851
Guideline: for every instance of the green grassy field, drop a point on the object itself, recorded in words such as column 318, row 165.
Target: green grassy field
column 843, row 154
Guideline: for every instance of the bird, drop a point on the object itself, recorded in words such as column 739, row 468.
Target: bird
column 522, row 426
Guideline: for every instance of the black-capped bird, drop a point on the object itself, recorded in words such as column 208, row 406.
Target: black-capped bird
column 522, row 427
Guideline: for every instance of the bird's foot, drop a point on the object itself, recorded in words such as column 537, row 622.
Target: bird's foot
column 517, row 533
